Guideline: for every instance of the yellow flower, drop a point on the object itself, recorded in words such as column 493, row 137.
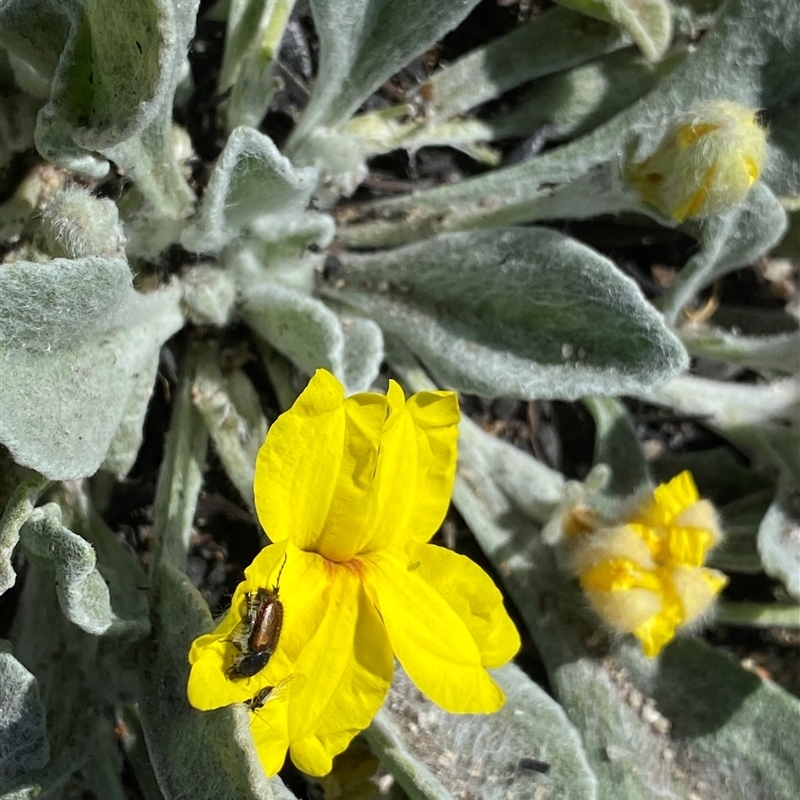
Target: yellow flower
column 706, row 163
column 350, row 491
column 646, row 577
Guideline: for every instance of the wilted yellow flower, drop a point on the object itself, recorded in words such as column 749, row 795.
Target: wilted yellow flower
column 706, row 163
column 646, row 577
column 350, row 491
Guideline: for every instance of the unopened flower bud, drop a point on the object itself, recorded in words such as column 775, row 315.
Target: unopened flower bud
column 645, row 576
column 706, row 163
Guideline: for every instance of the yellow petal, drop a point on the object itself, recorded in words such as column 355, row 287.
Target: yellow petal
column 297, row 465
column 619, row 575
column 347, row 662
column 471, row 593
column 416, row 468
column 315, row 470
column 687, row 546
column 351, row 508
column 268, row 727
column 654, row 634
column 429, row 638
column 676, row 496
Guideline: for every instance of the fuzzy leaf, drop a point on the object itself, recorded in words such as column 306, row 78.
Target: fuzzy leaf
column 301, row 327
column 649, row 22
column 76, row 333
column 200, row 754
column 466, row 754
column 363, row 353
column 699, row 705
column 779, row 537
column 727, row 242
column 23, row 732
column 253, row 37
column 124, row 447
column 546, row 44
column 16, row 513
column 746, row 57
column 82, row 592
column 251, row 181
column 522, row 312
column 782, row 171
column 759, row 419
column 617, row 445
column 780, row 352
column 364, row 42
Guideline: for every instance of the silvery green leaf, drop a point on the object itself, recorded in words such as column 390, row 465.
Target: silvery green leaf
column 713, row 706
column 532, row 486
column 746, row 57
column 552, row 42
column 78, row 334
column 50, row 46
column 236, row 439
column 16, row 513
column 779, row 536
column 251, row 180
column 780, row 352
column 118, row 566
column 728, row 241
column 301, row 327
column 482, row 755
column 23, row 731
column 208, row 755
column 342, row 155
column 33, row 33
column 522, row 312
column 363, row 353
column 782, row 170
column 617, row 445
column 624, row 753
column 17, row 121
column 209, row 294
column 649, row 728
column 124, row 447
column 573, row 102
column 181, row 474
column 759, row 419
column 82, row 592
column 255, row 29
column 649, row 22
column 112, row 93
column 151, row 157
column 364, row 42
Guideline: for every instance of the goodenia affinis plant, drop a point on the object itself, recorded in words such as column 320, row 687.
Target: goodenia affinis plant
column 675, row 115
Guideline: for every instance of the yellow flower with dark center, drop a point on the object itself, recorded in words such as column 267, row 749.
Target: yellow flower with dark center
column 350, row 491
column 646, row 577
column 707, row 162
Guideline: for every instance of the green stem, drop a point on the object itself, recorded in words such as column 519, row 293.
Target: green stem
column 759, row 615
column 181, row 473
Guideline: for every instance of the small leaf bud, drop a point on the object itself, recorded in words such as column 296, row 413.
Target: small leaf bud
column 75, row 224
column 706, row 162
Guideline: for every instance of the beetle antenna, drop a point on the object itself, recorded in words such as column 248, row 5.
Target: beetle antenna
column 280, row 571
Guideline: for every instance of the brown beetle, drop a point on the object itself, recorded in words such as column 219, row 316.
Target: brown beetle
column 262, row 625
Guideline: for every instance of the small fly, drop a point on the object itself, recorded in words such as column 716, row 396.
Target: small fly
column 262, row 626
column 261, row 698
